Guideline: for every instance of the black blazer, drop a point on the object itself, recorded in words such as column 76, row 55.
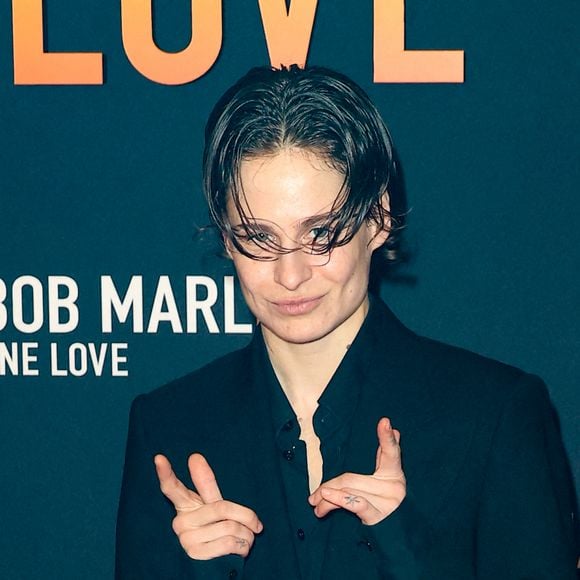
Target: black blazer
column 489, row 493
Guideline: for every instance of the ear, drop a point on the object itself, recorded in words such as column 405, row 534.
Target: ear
column 380, row 232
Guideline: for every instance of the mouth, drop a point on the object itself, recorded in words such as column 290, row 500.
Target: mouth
column 297, row 306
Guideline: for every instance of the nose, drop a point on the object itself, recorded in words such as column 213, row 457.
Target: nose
column 291, row 270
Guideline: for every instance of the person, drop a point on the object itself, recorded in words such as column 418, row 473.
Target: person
column 338, row 443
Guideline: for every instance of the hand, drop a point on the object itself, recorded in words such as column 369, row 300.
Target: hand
column 207, row 526
column 371, row 497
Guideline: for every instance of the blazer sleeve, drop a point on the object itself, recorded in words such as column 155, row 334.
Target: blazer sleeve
column 146, row 546
column 525, row 519
column 400, row 542
column 525, row 526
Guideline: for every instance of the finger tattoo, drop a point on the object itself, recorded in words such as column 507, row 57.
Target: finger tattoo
column 241, row 542
column 352, row 499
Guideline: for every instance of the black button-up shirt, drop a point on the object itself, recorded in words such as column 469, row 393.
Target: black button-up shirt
column 332, row 424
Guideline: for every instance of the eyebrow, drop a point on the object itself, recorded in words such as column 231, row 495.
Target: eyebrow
column 322, row 218
column 251, row 225
column 266, row 225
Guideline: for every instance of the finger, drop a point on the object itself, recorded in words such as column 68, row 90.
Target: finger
column 333, row 499
column 212, row 532
column 381, row 449
column 172, row 488
column 221, row 511
column 378, row 458
column 388, row 461
column 352, row 501
column 220, row 547
column 321, row 505
column 386, row 424
column 203, row 478
column 351, row 480
column 325, row 507
column 397, row 435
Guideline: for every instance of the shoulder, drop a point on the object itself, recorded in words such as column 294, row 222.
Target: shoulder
column 453, row 375
column 478, row 384
column 214, row 386
column 195, row 412
column 449, row 361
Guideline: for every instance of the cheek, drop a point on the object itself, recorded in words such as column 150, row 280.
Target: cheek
column 351, row 264
column 252, row 275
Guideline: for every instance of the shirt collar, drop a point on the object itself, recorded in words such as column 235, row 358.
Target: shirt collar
column 338, row 401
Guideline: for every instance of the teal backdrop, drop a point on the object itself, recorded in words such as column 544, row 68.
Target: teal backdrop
column 100, row 181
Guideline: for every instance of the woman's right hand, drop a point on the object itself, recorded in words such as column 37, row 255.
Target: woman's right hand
column 207, row 525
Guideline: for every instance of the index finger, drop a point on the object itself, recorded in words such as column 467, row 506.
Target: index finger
column 172, row 488
column 203, row 478
column 228, row 510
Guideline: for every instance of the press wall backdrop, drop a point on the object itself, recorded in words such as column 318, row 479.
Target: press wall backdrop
column 106, row 290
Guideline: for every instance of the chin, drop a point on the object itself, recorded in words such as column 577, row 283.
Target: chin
column 299, row 331
column 299, row 336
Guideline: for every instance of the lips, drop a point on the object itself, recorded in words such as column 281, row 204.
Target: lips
column 297, row 306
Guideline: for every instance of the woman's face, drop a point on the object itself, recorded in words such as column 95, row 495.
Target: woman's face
column 300, row 298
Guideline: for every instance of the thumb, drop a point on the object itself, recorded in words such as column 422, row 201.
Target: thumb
column 203, row 478
column 388, row 461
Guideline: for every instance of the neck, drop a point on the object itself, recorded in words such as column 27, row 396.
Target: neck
column 304, row 370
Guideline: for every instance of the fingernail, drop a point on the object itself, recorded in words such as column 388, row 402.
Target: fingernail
column 260, row 527
column 387, row 423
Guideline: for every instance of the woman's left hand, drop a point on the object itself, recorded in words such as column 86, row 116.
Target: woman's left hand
column 371, row 497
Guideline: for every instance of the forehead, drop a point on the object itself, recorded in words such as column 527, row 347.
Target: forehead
column 286, row 187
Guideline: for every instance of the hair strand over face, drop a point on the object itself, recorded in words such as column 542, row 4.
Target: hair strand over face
column 316, row 110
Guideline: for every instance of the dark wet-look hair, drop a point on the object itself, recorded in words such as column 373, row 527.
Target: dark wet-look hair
column 316, row 110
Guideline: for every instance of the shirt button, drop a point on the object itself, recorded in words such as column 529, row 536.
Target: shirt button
column 364, row 543
column 288, row 426
column 288, row 454
column 300, row 533
column 233, row 574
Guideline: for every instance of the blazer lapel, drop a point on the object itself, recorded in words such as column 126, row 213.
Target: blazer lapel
column 267, row 559
column 398, row 382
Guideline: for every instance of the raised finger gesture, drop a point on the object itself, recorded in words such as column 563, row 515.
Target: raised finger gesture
column 207, row 525
column 371, row 497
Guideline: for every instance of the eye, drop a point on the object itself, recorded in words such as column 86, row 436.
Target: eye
column 260, row 237
column 320, row 233
column 317, row 240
